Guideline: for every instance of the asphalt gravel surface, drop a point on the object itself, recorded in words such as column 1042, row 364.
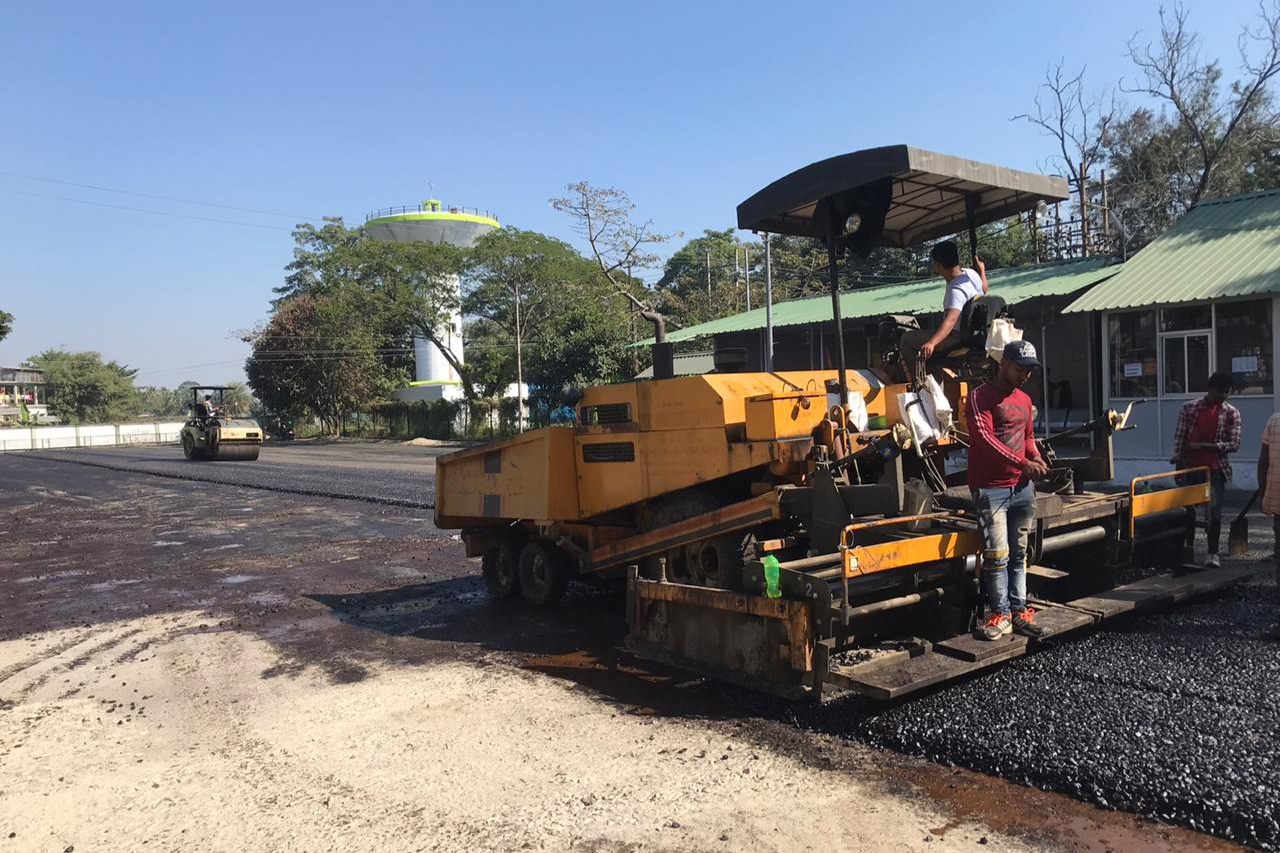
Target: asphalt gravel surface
column 1174, row 717
column 378, row 472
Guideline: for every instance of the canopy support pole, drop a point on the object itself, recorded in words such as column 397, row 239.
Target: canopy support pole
column 836, row 320
column 971, row 213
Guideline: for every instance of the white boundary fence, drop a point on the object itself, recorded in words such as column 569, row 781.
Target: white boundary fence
column 96, row 435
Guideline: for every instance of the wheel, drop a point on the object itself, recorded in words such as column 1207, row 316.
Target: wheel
column 500, row 566
column 544, row 574
column 235, row 452
column 715, row 562
column 189, row 446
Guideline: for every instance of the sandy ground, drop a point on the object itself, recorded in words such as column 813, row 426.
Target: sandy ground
column 204, row 667
column 175, row 740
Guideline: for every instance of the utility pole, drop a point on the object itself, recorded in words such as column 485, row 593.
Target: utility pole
column 708, row 275
column 746, row 264
column 1057, row 231
column 519, row 368
column 1084, row 212
column 1035, row 235
column 768, row 304
column 736, row 272
column 1106, row 210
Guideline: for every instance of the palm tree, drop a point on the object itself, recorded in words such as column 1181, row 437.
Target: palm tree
column 237, row 399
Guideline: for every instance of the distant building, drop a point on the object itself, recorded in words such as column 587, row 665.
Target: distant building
column 22, row 387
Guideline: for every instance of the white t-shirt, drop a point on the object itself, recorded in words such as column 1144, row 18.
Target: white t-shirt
column 961, row 289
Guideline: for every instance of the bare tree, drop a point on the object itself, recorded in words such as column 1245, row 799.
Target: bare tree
column 1173, row 72
column 603, row 217
column 1077, row 121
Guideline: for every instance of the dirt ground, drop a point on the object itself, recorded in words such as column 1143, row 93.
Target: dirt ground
column 199, row 667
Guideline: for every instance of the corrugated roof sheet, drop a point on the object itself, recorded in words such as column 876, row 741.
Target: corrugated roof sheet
column 1225, row 247
column 1015, row 284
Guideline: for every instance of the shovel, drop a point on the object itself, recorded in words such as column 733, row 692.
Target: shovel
column 1238, row 537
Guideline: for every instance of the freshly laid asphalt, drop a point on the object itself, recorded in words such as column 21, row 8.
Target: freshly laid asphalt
column 1172, row 716
column 378, row 472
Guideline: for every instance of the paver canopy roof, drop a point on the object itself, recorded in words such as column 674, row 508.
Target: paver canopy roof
column 904, row 196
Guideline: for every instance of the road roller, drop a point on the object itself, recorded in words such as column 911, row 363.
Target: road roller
column 211, row 434
column 810, row 532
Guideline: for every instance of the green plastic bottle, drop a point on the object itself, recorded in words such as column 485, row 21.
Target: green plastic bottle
column 772, row 573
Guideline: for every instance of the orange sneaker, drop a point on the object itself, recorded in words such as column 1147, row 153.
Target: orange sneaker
column 1024, row 623
column 996, row 626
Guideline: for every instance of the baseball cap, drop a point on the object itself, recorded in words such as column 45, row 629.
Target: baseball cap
column 1021, row 353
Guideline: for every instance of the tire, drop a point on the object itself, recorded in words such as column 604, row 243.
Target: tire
column 189, row 447
column 544, row 574
column 715, row 562
column 500, row 567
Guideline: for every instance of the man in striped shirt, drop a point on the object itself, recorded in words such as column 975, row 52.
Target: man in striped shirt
column 1003, row 462
column 1208, row 429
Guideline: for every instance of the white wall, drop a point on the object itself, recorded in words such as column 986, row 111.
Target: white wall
column 96, row 435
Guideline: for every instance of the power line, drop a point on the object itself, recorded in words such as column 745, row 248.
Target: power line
column 160, row 197
column 145, row 210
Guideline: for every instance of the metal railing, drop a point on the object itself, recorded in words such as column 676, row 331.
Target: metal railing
column 429, row 208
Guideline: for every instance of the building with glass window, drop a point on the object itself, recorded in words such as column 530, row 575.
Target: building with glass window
column 22, row 395
column 1200, row 299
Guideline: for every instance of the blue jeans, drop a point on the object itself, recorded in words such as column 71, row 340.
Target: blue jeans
column 1213, row 510
column 1005, row 517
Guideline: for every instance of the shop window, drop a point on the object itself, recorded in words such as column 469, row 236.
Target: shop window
column 1131, row 341
column 1185, row 318
column 1186, row 364
column 1244, row 344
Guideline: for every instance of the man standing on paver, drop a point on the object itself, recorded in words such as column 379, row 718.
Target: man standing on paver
column 1269, row 485
column 1003, row 462
column 1208, row 429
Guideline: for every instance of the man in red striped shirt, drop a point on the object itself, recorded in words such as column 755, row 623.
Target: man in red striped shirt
column 1003, row 462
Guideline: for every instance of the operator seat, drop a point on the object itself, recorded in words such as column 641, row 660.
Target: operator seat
column 975, row 319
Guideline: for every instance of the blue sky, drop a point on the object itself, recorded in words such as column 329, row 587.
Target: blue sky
column 339, row 108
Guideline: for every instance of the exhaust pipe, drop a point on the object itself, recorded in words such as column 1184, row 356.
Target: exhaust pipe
column 664, row 354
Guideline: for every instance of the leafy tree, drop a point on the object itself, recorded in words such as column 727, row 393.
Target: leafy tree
column 1154, row 173
column 318, row 353
column 581, row 344
column 155, row 402
column 82, row 388
column 1216, row 124
column 404, row 289
column 515, row 280
column 6, row 324
column 1003, row 244
column 698, row 281
column 491, row 358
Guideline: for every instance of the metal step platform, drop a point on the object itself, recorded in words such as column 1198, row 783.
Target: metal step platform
column 958, row 656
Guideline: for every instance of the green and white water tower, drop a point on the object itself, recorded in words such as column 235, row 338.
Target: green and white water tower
column 433, row 222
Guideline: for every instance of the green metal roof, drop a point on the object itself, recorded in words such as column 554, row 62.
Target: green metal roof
column 1015, row 284
column 1221, row 248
